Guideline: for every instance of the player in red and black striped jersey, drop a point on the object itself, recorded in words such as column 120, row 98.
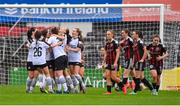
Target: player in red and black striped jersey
column 111, row 58
column 139, row 57
column 156, row 54
column 127, row 44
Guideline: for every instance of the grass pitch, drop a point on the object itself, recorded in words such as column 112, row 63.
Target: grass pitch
column 95, row 96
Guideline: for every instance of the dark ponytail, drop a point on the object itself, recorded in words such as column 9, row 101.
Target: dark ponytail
column 44, row 34
column 29, row 34
column 37, row 36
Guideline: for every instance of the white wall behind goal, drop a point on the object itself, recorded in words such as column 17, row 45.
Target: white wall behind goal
column 85, row 27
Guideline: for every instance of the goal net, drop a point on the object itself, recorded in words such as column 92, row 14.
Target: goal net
column 93, row 21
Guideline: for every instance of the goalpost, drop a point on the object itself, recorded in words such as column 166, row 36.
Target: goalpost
column 94, row 20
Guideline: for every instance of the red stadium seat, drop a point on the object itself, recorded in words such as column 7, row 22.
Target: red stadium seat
column 40, row 28
column 4, row 31
column 24, row 29
column 16, row 31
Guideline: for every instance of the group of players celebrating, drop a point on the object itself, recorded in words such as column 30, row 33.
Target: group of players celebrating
column 136, row 54
column 50, row 52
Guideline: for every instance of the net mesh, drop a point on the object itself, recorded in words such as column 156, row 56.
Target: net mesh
column 94, row 22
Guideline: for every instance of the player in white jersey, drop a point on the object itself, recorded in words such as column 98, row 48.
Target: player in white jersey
column 60, row 60
column 74, row 57
column 38, row 49
column 32, row 73
column 65, row 32
column 50, row 63
column 49, row 53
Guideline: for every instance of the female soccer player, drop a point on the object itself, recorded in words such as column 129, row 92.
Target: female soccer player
column 60, row 60
column 111, row 58
column 38, row 49
column 74, row 58
column 140, row 54
column 50, row 63
column 157, row 53
column 65, row 32
column 32, row 73
column 127, row 44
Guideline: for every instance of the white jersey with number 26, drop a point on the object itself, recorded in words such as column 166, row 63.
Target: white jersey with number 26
column 39, row 52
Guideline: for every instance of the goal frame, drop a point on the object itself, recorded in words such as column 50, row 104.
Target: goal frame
column 160, row 6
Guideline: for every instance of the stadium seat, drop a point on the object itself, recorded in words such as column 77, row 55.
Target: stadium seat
column 4, row 31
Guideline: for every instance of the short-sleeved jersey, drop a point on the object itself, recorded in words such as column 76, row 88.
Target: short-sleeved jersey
column 58, row 50
column 49, row 54
column 72, row 55
column 110, row 48
column 39, row 52
column 156, row 51
column 138, row 49
column 127, row 47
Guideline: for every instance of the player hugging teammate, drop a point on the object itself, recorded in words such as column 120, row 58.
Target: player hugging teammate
column 49, row 53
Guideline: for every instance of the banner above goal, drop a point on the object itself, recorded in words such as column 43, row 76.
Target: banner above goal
column 60, row 1
column 63, row 14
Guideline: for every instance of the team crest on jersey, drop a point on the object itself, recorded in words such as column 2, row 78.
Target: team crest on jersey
column 126, row 42
column 126, row 45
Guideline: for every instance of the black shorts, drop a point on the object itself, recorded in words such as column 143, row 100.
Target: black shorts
column 129, row 64
column 60, row 63
column 40, row 66
column 75, row 63
column 30, row 66
column 50, row 64
column 139, row 66
column 157, row 68
column 112, row 68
